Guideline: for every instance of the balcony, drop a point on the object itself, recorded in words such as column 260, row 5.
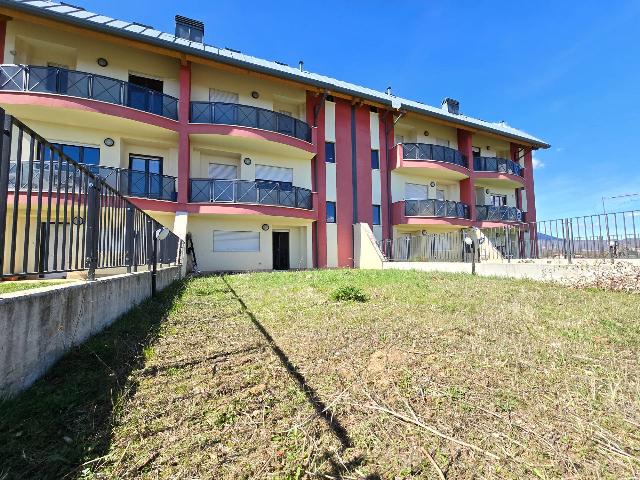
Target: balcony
column 64, row 176
column 433, row 153
column 436, row 208
column 218, row 113
column 492, row 213
column 72, row 83
column 499, row 165
column 204, row 190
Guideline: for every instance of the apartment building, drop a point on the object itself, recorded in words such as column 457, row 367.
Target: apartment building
column 267, row 166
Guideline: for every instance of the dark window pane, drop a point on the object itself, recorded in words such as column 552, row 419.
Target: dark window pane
column 330, row 152
column 376, row 215
column 72, row 151
column 331, row 212
column 375, row 159
column 91, row 155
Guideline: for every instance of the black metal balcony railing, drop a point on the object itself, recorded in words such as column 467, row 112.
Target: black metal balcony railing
column 433, row 153
column 241, row 191
column 499, row 214
column 30, row 78
column 127, row 182
column 248, row 116
column 435, row 208
column 500, row 165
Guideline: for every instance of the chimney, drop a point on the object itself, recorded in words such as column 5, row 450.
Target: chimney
column 301, row 65
column 451, row 105
column 189, row 29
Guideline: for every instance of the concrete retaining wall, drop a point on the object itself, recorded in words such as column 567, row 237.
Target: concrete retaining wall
column 38, row 326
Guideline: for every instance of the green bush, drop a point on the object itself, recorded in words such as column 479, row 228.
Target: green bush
column 349, row 293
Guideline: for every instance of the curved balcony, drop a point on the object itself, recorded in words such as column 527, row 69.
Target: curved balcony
column 206, row 190
column 436, row 208
column 498, row 165
column 72, row 83
column 433, row 153
column 492, row 213
column 219, row 113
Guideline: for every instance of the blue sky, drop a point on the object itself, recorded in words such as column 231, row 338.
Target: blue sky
column 568, row 72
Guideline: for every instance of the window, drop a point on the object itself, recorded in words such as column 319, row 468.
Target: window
column 331, row 212
column 415, row 191
column 375, row 159
column 220, row 171
column 377, row 215
column 440, row 195
column 330, row 152
column 443, row 142
column 146, row 82
column 498, row 200
column 228, row 241
column 189, row 29
column 476, row 152
column 222, row 96
column 145, row 176
column 86, row 155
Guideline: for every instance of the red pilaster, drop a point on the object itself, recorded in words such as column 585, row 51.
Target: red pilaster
column 386, row 143
column 467, row 186
column 529, row 187
column 344, row 185
column 3, row 36
column 363, row 164
column 319, row 179
column 184, row 149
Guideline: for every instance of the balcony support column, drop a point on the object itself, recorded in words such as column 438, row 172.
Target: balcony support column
column 315, row 117
column 467, row 186
column 3, row 37
column 529, row 187
column 184, row 147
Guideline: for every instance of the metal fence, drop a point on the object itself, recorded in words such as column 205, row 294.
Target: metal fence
column 59, row 216
column 61, row 81
column 599, row 236
column 249, row 116
column 435, row 208
column 500, row 165
column 437, row 153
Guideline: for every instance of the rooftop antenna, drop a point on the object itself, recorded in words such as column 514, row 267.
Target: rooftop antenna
column 301, row 65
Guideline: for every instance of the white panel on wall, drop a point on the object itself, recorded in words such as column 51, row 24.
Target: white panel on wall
column 329, row 121
column 223, row 172
column 524, row 199
column 374, row 128
column 377, row 232
column 224, row 96
column 229, row 241
column 274, row 174
column 414, row 191
column 331, row 182
column 332, row 245
column 376, row 189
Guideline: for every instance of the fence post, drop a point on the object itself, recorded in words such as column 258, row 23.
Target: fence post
column 154, row 270
column 5, row 154
column 150, row 229
column 129, row 239
column 93, row 222
column 569, row 236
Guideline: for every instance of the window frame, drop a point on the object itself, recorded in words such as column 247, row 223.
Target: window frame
column 335, row 213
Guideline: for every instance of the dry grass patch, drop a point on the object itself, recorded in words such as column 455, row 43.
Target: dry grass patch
column 435, row 376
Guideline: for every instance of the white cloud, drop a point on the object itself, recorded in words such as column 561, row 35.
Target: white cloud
column 537, row 163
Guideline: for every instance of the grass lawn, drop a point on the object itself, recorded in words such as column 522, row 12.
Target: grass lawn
column 266, row 376
column 10, row 287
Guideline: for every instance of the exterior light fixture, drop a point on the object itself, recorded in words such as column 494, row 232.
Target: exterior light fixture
column 488, row 147
column 265, row 227
column 426, row 133
column 433, row 184
column 103, row 62
column 424, row 233
column 255, row 94
column 247, row 161
column 162, row 233
column 77, row 221
column 486, row 190
column 109, row 142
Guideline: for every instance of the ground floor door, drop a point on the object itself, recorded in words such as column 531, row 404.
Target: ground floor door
column 281, row 250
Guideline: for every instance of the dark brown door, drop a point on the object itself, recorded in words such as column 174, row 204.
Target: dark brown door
column 281, row 250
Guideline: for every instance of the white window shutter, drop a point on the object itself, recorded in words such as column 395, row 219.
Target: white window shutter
column 414, row 191
column 229, row 241
column 274, row 174
column 221, row 171
column 223, row 96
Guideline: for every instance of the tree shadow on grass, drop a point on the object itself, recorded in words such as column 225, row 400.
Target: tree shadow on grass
column 62, row 424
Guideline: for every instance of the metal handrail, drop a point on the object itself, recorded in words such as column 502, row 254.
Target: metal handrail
column 433, row 153
column 249, row 116
column 74, row 83
column 499, row 214
column 207, row 190
column 436, row 208
column 495, row 164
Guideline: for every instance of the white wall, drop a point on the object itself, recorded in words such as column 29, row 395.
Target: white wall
column 413, row 129
column 398, row 181
column 332, row 245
